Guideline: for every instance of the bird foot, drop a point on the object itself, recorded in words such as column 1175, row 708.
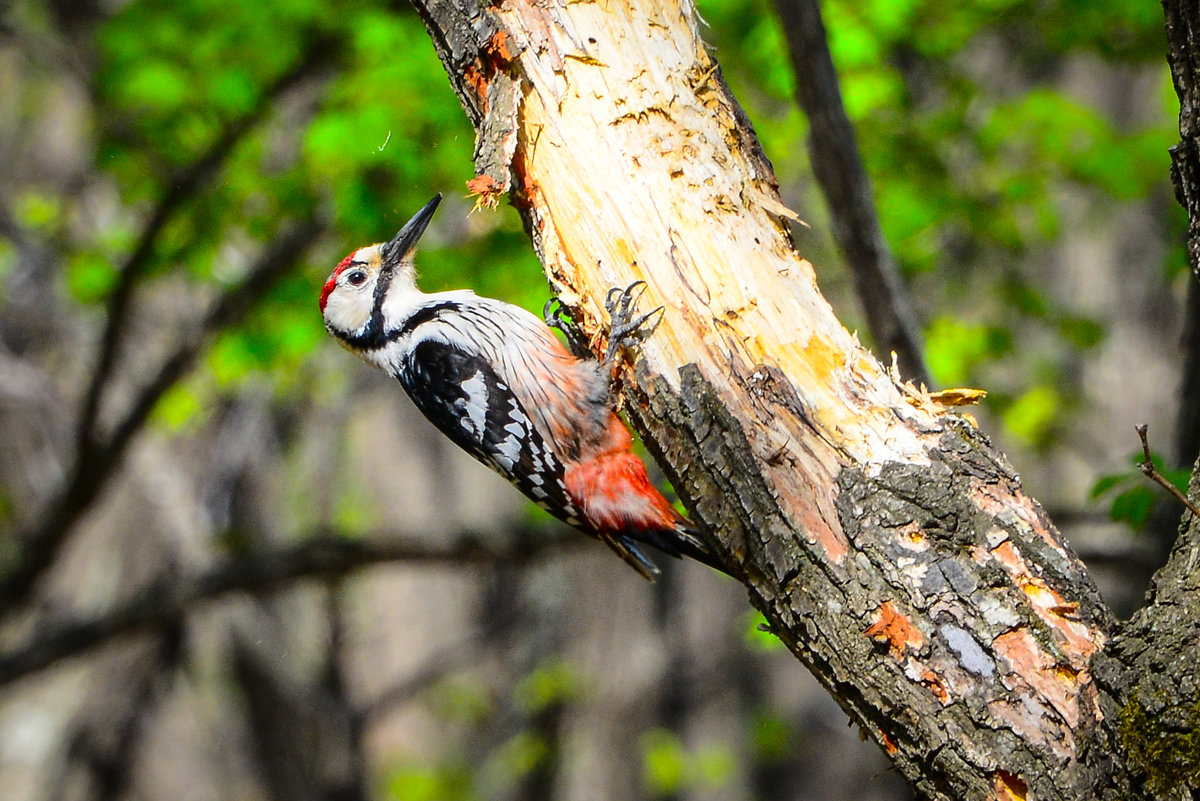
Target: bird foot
column 628, row 330
column 577, row 341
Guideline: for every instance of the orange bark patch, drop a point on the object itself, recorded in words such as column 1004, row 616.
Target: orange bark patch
column 479, row 85
column 889, row 744
column 496, row 49
column 822, row 528
column 995, row 499
column 1010, row 787
column 912, row 538
column 896, row 629
column 1077, row 640
column 935, row 684
column 1031, row 720
column 487, row 191
column 1056, row 686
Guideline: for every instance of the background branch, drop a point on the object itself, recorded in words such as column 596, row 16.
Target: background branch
column 167, row 600
column 838, row 168
column 1151, row 472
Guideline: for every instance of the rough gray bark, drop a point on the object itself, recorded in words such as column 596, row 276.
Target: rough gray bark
column 888, row 544
column 1183, row 37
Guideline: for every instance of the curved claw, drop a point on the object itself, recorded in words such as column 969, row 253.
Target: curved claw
column 619, row 302
column 626, row 329
column 577, row 341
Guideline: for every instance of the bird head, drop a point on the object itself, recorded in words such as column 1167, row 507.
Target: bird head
column 353, row 299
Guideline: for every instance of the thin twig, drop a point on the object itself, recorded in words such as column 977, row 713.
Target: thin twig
column 165, row 602
column 1151, row 472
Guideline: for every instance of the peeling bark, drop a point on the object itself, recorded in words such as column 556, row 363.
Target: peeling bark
column 888, row 544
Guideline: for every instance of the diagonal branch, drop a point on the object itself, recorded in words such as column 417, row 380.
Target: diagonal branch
column 166, row 601
column 839, row 170
column 888, row 544
column 93, row 471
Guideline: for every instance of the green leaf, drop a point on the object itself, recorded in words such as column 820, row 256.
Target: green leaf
column 355, row 511
column 41, row 211
column 449, row 781
column 522, row 754
column 1107, row 483
column 954, row 347
column 180, row 408
column 90, row 277
column 156, row 85
column 771, row 735
column 714, row 766
column 1133, row 506
column 461, row 701
column 1081, row 332
column 668, row 768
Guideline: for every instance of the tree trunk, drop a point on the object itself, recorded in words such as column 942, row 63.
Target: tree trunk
column 888, row 544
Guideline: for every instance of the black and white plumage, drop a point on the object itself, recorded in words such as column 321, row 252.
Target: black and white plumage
column 495, row 380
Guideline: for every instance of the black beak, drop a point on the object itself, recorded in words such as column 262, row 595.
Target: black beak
column 403, row 243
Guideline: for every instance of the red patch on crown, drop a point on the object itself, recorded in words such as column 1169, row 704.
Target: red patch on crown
column 332, row 282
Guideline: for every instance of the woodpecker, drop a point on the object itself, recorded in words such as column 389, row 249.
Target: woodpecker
column 498, row 382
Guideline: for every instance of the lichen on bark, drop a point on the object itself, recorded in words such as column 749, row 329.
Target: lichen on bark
column 1161, row 741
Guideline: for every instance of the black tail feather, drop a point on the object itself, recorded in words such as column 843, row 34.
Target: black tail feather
column 683, row 540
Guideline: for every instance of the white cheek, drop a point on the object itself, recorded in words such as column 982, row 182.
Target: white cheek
column 348, row 311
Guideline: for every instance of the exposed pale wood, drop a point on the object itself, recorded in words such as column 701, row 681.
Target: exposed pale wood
column 888, row 544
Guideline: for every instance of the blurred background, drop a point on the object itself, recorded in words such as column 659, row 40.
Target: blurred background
column 235, row 563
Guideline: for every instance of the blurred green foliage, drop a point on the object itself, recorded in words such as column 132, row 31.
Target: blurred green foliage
column 758, row 636
column 463, row 706
column 555, row 681
column 669, row 767
column 772, row 736
column 430, row 782
column 368, row 136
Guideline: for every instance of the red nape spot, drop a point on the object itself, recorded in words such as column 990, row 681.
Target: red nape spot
column 329, row 285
